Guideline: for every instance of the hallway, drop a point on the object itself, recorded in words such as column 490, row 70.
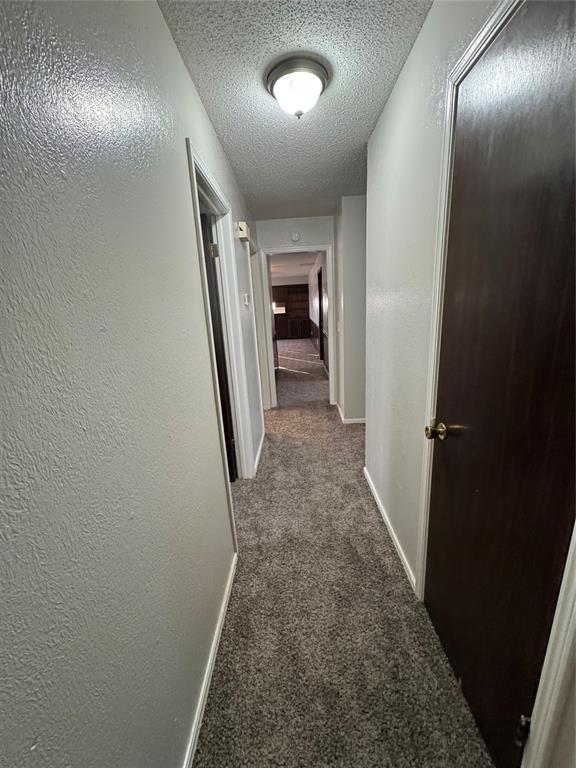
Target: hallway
column 283, row 285
column 326, row 657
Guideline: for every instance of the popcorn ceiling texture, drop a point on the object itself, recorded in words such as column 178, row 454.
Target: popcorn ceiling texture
column 288, row 167
column 115, row 543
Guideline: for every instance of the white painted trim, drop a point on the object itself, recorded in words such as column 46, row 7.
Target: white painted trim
column 483, row 39
column 202, row 267
column 248, row 247
column 259, row 453
column 391, row 531
column 556, row 671
column 199, row 713
column 349, row 421
column 232, row 316
column 261, row 335
column 268, row 342
column 333, row 356
column 332, row 346
column 232, row 307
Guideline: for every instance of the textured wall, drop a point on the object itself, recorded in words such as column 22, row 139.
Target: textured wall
column 312, row 231
column 115, row 542
column 402, row 202
column 351, row 292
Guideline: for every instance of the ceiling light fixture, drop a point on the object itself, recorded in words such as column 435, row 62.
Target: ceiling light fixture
column 297, row 84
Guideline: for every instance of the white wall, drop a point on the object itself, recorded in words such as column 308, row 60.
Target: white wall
column 261, row 284
column 115, row 542
column 313, row 231
column 351, row 305
column 250, row 370
column 402, row 203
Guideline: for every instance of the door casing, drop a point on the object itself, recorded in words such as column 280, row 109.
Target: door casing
column 247, row 453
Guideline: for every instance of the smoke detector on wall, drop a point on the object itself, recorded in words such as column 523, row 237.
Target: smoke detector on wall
column 297, row 83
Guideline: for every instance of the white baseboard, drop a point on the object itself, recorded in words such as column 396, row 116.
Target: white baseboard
column 197, row 721
column 391, row 531
column 259, row 452
column 349, row 421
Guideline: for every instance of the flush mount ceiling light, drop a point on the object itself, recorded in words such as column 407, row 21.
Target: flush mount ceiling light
column 297, row 84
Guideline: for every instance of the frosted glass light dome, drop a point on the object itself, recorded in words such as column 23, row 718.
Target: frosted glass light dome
column 297, row 92
column 297, row 84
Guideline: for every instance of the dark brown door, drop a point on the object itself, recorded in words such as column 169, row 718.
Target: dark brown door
column 502, row 503
column 219, row 345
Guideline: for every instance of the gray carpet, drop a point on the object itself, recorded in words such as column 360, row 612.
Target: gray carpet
column 326, row 657
column 301, row 378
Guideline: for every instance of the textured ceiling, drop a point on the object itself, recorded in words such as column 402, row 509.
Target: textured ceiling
column 288, row 167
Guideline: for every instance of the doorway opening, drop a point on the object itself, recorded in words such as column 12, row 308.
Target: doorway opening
column 215, row 245
column 299, row 331
column 296, row 289
column 213, row 282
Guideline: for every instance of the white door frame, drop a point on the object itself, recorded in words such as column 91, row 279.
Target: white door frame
column 230, row 299
column 555, row 676
column 268, row 330
column 258, row 292
column 332, row 346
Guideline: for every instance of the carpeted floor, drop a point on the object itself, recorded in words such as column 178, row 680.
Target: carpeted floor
column 301, row 378
column 326, row 657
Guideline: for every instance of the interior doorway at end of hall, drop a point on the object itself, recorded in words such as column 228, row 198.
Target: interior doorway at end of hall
column 297, row 288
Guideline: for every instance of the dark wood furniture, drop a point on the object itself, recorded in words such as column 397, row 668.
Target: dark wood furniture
column 294, row 323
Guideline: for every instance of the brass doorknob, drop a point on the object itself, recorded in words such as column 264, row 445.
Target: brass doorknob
column 437, row 431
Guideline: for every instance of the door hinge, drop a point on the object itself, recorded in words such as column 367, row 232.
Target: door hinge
column 214, row 252
column 522, row 731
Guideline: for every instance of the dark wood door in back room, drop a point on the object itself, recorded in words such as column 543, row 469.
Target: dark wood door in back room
column 502, row 498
